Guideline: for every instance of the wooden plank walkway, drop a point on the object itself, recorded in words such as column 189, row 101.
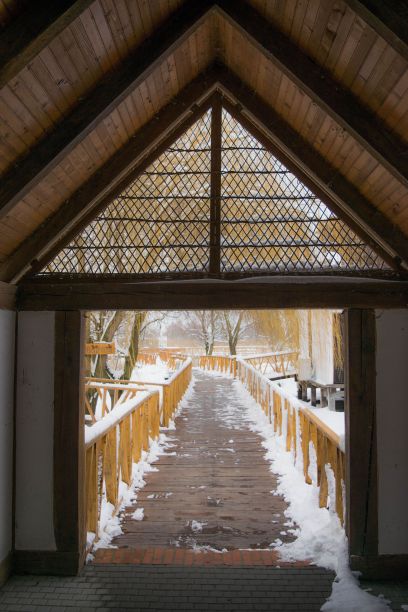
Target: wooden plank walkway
column 213, row 490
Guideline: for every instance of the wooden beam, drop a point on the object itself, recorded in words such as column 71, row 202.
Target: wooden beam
column 368, row 130
column 274, row 292
column 305, row 179
column 32, row 31
column 69, row 475
column 294, row 152
column 361, row 438
column 7, row 296
column 326, row 178
column 107, row 94
column 388, row 19
column 120, row 186
column 215, row 206
column 101, row 186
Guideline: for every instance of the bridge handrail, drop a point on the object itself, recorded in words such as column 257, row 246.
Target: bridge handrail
column 112, row 445
column 290, row 417
column 218, row 363
column 117, row 440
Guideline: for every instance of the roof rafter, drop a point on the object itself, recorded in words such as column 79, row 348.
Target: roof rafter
column 317, row 173
column 341, row 105
column 34, row 29
column 104, row 182
column 107, row 94
column 273, row 132
column 371, row 133
column 388, row 19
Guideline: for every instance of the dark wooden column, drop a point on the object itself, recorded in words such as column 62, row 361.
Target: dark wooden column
column 69, row 453
column 215, row 210
column 361, row 435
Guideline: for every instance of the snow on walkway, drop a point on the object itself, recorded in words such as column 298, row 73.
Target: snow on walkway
column 213, row 489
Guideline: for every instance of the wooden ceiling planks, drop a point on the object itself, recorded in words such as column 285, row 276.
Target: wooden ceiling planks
column 70, row 66
column 340, row 41
column 330, row 139
column 110, row 135
column 104, row 34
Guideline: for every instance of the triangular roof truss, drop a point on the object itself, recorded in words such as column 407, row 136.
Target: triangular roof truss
column 219, row 201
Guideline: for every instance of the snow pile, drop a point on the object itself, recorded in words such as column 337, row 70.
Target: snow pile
column 138, row 515
column 158, row 372
column 320, row 536
column 196, row 526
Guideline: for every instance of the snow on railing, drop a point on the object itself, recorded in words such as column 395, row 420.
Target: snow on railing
column 172, row 390
column 112, row 444
column 129, row 417
column 304, row 433
column 280, row 362
column 218, row 363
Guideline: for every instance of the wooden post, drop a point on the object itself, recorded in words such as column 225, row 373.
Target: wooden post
column 69, row 450
column 361, row 440
column 215, row 210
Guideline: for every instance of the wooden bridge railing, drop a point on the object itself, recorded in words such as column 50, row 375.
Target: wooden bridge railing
column 300, row 428
column 282, row 362
column 109, row 394
column 130, row 414
column 218, row 363
column 172, row 390
column 112, row 445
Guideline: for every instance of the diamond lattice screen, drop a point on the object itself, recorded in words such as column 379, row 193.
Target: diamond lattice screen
column 270, row 222
column 159, row 224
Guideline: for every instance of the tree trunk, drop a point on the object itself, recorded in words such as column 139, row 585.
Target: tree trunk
column 100, row 369
column 131, row 357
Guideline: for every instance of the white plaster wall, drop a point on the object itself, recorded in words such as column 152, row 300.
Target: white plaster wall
column 392, row 436
column 34, row 431
column 7, row 334
column 322, row 345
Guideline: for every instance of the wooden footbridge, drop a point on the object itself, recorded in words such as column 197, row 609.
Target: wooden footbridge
column 212, row 489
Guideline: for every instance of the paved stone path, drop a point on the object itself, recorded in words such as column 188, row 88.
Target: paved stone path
column 149, row 587
column 213, row 489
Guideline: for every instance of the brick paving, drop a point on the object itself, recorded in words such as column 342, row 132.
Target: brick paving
column 104, row 587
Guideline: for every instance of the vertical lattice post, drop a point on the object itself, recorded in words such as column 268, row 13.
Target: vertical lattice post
column 215, row 212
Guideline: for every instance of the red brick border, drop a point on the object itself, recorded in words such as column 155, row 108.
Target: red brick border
column 182, row 556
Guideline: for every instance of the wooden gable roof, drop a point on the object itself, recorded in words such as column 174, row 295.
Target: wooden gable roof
column 92, row 89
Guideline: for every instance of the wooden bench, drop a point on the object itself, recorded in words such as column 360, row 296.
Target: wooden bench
column 326, row 390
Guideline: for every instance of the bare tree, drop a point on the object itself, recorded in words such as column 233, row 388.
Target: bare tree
column 204, row 326
column 141, row 321
column 235, row 324
column 102, row 326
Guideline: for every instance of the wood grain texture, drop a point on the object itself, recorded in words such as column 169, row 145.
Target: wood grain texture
column 7, row 296
column 361, row 439
column 69, row 476
column 107, row 95
column 103, row 183
column 318, row 84
column 279, row 292
column 214, row 473
column 315, row 167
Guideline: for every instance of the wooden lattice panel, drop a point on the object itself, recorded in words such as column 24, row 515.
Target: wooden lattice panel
column 159, row 224
column 268, row 220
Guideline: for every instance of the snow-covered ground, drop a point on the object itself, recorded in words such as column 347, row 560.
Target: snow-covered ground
column 334, row 420
column 320, row 536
